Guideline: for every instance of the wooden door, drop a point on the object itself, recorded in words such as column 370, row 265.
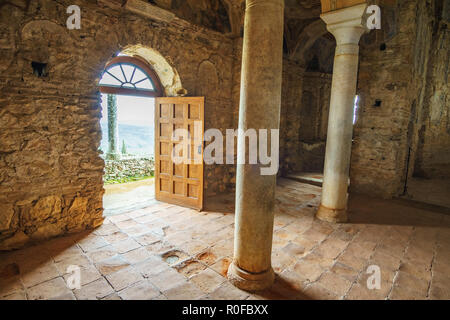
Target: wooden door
column 179, row 183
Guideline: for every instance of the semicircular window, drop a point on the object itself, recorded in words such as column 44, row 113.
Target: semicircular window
column 125, row 76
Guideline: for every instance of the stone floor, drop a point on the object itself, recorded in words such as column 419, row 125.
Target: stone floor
column 124, row 197
column 170, row 252
column 432, row 191
column 314, row 178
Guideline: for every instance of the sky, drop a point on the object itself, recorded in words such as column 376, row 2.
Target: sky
column 132, row 110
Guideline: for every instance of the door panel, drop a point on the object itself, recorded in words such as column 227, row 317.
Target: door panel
column 179, row 183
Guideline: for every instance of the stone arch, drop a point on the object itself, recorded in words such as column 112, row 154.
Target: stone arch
column 46, row 42
column 208, row 79
column 168, row 75
column 308, row 37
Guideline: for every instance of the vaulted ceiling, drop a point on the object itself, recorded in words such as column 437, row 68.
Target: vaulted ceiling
column 303, row 26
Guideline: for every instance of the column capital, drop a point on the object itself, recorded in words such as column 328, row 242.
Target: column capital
column 347, row 25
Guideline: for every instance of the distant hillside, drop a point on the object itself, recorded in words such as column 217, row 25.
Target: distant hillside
column 139, row 140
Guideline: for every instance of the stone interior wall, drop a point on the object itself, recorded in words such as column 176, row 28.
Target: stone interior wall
column 402, row 123
column 391, row 84
column 431, row 158
column 50, row 167
column 314, row 120
column 304, row 120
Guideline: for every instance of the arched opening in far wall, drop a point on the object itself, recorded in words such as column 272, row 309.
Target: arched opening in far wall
column 128, row 86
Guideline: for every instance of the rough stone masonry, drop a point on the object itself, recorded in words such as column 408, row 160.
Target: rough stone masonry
column 50, row 168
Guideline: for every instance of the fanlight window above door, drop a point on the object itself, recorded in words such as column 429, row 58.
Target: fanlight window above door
column 129, row 76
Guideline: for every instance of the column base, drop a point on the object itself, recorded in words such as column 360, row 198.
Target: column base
column 250, row 281
column 332, row 215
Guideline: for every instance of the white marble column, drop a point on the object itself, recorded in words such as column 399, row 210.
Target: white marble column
column 347, row 26
column 260, row 101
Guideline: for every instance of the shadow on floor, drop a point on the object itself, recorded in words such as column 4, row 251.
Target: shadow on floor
column 367, row 210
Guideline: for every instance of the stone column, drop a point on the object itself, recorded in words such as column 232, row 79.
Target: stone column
column 260, row 100
column 113, row 129
column 347, row 27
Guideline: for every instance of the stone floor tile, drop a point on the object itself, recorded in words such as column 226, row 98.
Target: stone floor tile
column 10, row 285
column 70, row 252
column 40, row 274
column 142, row 290
column 124, row 278
column 79, row 260
column 328, row 250
column 159, row 247
column 402, row 294
column 151, row 266
column 294, row 250
column 308, row 271
column 316, row 291
column 207, row 280
column 314, row 235
column 305, row 243
column 167, row 279
column 65, row 296
column 138, row 231
column 136, row 255
column 411, row 283
column 189, row 267
column 126, row 245
column 227, row 291
column 385, row 261
column 106, row 229
column 439, row 293
column 344, row 271
column 88, row 274
column 193, row 247
column 335, row 283
column 48, row 290
column 92, row 242
column 282, row 260
column 112, row 296
column 292, row 279
column 207, row 257
column 147, row 239
column 116, row 237
column 221, row 266
column 126, row 224
column 119, row 218
column 351, row 261
column 318, row 260
column 94, row 291
column 101, row 254
column 184, row 291
column 111, row 265
column 361, row 292
column 17, row 295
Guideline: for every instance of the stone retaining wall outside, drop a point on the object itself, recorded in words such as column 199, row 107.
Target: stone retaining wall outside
column 117, row 170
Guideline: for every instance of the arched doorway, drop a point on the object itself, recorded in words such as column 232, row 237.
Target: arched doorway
column 133, row 77
column 128, row 86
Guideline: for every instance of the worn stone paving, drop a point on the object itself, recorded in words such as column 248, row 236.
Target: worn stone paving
column 169, row 252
